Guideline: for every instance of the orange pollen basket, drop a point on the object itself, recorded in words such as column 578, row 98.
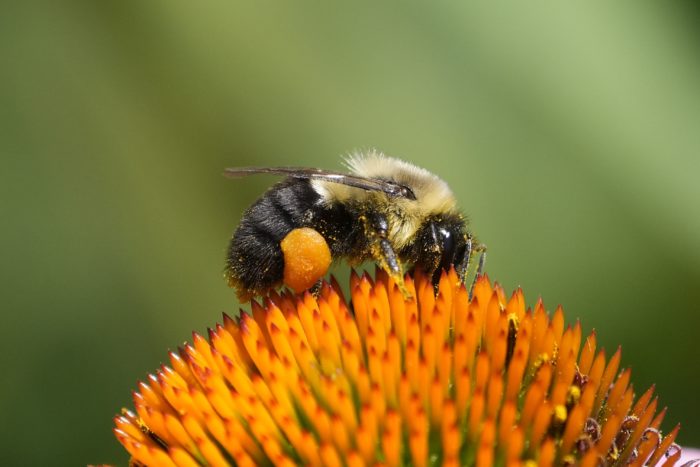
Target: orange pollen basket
column 438, row 379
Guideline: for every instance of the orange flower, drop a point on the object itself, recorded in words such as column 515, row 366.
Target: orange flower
column 437, row 379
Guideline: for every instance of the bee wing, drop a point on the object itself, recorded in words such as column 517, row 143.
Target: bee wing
column 370, row 184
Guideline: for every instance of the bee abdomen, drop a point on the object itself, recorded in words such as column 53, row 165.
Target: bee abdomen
column 254, row 261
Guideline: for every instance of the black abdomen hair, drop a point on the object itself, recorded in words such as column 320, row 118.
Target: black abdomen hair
column 254, row 261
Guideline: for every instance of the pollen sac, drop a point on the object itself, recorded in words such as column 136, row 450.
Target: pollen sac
column 306, row 258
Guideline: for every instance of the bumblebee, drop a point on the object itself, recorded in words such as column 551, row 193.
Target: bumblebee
column 385, row 210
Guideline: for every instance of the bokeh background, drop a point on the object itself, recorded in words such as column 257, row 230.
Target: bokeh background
column 569, row 133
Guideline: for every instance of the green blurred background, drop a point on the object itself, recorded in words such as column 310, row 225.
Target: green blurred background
column 570, row 134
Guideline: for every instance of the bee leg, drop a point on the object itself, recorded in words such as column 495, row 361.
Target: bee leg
column 482, row 259
column 315, row 289
column 480, row 266
column 376, row 227
column 462, row 267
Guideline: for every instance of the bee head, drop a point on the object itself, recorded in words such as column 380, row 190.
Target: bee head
column 440, row 244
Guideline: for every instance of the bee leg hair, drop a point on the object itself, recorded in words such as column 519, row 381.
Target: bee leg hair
column 480, row 267
column 315, row 289
column 462, row 267
column 376, row 227
column 482, row 260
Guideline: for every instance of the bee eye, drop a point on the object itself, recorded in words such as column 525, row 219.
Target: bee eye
column 448, row 247
column 407, row 193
